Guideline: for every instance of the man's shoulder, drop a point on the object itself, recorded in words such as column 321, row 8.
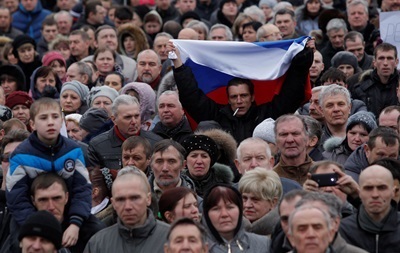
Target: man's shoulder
column 99, row 237
column 103, row 137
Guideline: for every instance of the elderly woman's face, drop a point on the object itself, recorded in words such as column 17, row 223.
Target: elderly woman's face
column 198, row 163
column 255, row 207
column 224, row 216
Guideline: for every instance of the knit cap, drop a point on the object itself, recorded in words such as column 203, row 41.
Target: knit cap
column 153, row 16
column 18, row 98
column 51, row 56
column 80, row 89
column 265, row 130
column 102, row 91
column 270, row 3
column 43, row 224
column 201, row 142
column 363, row 117
column 344, row 57
column 21, row 40
column 223, row 2
column 93, row 119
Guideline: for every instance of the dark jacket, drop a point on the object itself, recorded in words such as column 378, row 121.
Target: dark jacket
column 11, row 33
column 375, row 94
column 30, row 22
column 366, row 62
column 105, row 149
column 357, row 232
column 327, row 53
column 218, row 173
column 186, row 182
column 202, row 108
column 296, row 173
column 178, row 133
column 35, row 92
column 149, row 237
column 170, row 14
column 356, row 163
column 5, row 218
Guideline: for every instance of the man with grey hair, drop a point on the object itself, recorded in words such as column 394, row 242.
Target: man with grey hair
column 64, row 22
column 160, row 45
column 137, row 230
column 335, row 105
column 80, row 72
column 336, row 29
column 310, row 230
column 220, row 32
column 358, row 18
column 332, row 205
column 173, row 123
column 268, row 32
column 105, row 149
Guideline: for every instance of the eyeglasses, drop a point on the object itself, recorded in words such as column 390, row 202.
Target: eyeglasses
column 5, row 158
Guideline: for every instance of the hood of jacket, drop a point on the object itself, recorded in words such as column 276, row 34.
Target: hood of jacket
column 332, row 143
column 357, row 161
column 136, row 33
column 167, row 83
column 35, row 93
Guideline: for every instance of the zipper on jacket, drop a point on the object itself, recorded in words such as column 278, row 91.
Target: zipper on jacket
column 376, row 243
column 238, row 244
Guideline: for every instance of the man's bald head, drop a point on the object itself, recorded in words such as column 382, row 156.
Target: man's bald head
column 376, row 171
column 188, row 34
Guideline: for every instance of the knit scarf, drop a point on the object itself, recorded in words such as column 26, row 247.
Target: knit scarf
column 171, row 132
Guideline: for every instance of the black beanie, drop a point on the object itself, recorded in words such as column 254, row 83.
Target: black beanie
column 43, row 224
column 190, row 14
column 93, row 119
column 21, row 40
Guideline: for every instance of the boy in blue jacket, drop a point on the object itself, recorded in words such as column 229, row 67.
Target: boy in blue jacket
column 46, row 151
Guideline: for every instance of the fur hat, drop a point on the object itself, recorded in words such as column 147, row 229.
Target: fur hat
column 223, row 2
column 265, row 130
column 18, row 98
column 201, row 142
column 43, row 224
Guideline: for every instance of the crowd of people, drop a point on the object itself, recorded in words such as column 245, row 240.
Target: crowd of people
column 109, row 145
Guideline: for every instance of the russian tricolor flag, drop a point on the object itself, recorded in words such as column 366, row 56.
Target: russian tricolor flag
column 214, row 63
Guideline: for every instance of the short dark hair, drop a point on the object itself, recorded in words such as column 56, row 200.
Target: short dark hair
column 83, row 34
column 91, row 7
column 11, row 123
column 123, row 13
column 385, row 47
column 238, row 81
column 352, row 36
column 48, row 21
column 388, row 136
column 163, row 145
column 101, row 28
column 289, row 196
column 391, row 164
column 188, row 222
column 17, row 135
column 135, row 141
column 45, row 180
column 334, row 75
column 121, row 77
column 324, row 164
column 102, row 50
column 285, row 11
column 43, row 103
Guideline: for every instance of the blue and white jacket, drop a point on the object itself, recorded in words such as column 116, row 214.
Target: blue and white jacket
column 32, row 158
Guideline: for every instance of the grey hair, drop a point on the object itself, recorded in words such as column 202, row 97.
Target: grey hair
column 133, row 170
column 287, row 117
column 63, row 12
column 336, row 24
column 326, row 217
column 146, row 51
column 252, row 140
column 330, row 200
column 169, row 92
column 228, row 32
column 333, row 90
column 314, row 127
column 123, row 100
column 84, row 69
column 357, row 2
column 195, row 24
column 164, row 34
column 281, row 5
column 255, row 11
column 318, row 89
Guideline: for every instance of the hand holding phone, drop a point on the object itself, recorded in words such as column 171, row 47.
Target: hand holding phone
column 327, row 179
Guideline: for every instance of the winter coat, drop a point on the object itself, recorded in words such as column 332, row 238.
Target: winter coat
column 105, row 149
column 366, row 62
column 341, row 246
column 30, row 22
column 327, row 53
column 32, row 158
column 139, row 37
column 150, row 237
column 305, row 24
column 375, row 94
column 292, row 94
column 218, row 173
column 35, row 94
column 177, row 135
column 296, row 173
column 356, row 163
column 265, row 225
column 336, row 150
column 358, row 233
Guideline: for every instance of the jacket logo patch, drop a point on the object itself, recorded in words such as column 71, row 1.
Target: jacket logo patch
column 69, row 165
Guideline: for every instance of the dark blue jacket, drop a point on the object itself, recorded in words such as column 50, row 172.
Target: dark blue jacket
column 31, row 158
column 30, row 22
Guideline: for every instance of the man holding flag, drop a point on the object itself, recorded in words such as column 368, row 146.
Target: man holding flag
column 277, row 73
